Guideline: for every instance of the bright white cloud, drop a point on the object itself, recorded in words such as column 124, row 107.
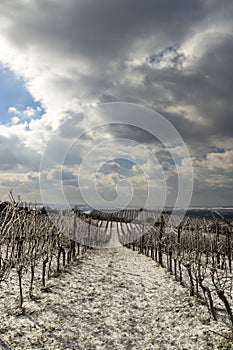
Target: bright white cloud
column 220, row 161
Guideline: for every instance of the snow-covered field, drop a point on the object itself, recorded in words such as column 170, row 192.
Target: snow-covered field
column 111, row 298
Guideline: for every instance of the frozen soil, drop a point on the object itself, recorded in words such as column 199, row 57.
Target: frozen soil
column 112, row 298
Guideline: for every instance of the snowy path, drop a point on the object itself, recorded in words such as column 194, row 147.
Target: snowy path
column 113, row 299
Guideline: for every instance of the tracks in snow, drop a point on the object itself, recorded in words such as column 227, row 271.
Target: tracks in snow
column 114, row 299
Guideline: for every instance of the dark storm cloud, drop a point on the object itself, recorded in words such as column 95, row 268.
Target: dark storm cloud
column 190, row 131
column 216, row 95
column 103, row 33
column 100, row 29
column 131, row 132
column 207, row 85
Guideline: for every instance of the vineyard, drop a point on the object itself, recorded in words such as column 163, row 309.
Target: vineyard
column 29, row 241
column 196, row 251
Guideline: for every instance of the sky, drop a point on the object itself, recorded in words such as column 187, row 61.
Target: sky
column 86, row 85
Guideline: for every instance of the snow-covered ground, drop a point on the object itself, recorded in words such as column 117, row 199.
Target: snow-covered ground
column 112, row 298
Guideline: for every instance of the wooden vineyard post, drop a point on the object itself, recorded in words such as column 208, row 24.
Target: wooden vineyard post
column 19, row 271
column 161, row 232
column 44, row 270
column 178, row 251
column 73, row 245
column 89, row 233
column 142, row 244
column 170, row 260
column 97, row 234
column 192, row 290
column 228, row 233
column 63, row 253
column 217, row 246
column 155, row 244
column 73, row 250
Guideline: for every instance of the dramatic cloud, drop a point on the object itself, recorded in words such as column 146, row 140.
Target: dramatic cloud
column 172, row 56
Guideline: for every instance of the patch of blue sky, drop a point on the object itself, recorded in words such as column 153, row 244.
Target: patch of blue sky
column 157, row 57
column 125, row 163
column 118, row 165
column 216, row 149
column 172, row 54
column 15, row 100
column 172, row 161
